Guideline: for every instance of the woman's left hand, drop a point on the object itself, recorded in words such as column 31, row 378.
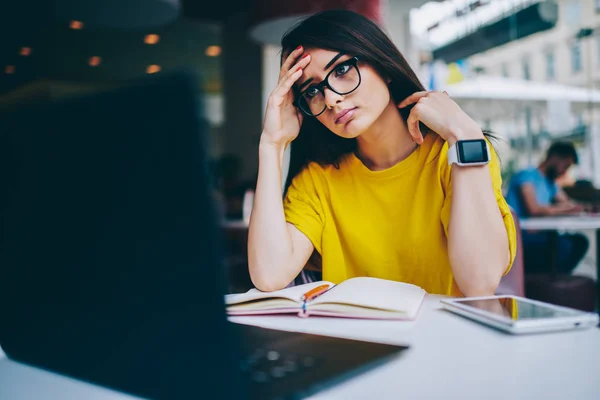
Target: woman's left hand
column 442, row 115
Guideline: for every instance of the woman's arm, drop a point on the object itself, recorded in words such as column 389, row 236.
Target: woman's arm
column 478, row 244
column 277, row 251
column 477, row 238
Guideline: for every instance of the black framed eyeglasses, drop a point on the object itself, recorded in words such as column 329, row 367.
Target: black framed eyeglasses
column 343, row 79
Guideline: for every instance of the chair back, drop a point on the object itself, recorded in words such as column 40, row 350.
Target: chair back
column 514, row 282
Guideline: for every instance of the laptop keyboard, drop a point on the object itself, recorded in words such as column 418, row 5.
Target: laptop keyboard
column 268, row 365
column 289, row 365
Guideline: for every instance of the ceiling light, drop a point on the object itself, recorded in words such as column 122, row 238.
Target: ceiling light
column 213, row 51
column 25, row 51
column 76, row 25
column 94, row 61
column 9, row 69
column 152, row 69
column 151, row 38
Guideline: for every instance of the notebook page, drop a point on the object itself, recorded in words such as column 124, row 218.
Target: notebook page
column 345, row 310
column 263, row 305
column 375, row 293
column 293, row 293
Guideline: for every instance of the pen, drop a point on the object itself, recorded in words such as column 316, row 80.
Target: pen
column 311, row 294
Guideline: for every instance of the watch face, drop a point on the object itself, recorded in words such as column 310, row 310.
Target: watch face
column 472, row 151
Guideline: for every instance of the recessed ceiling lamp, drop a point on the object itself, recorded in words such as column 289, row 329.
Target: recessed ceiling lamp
column 213, row 51
column 25, row 51
column 76, row 25
column 9, row 69
column 152, row 69
column 94, row 61
column 151, row 38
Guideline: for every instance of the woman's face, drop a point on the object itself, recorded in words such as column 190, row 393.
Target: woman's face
column 352, row 114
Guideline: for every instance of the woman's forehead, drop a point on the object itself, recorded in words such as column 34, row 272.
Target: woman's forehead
column 321, row 55
column 321, row 61
column 319, row 64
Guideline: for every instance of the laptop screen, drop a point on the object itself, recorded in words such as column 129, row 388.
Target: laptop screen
column 109, row 254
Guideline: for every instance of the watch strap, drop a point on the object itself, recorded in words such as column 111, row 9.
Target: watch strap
column 452, row 155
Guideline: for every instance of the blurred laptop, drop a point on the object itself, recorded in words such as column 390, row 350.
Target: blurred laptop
column 110, row 261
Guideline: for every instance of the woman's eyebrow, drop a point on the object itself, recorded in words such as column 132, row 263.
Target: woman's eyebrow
column 329, row 64
column 333, row 60
column 306, row 82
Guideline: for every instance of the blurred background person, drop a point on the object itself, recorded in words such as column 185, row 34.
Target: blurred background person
column 533, row 192
column 235, row 192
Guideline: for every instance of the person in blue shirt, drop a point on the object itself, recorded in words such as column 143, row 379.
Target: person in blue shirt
column 533, row 192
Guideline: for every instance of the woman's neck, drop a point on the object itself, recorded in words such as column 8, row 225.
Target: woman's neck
column 387, row 142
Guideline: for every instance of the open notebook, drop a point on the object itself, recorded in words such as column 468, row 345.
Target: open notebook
column 354, row 298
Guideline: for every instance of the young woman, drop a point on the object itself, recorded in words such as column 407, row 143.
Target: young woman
column 372, row 190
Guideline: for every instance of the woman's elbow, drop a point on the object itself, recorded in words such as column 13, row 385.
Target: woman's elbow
column 266, row 285
column 484, row 284
column 486, row 280
column 263, row 282
column 477, row 289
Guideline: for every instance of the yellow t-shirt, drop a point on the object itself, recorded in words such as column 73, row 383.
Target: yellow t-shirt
column 390, row 224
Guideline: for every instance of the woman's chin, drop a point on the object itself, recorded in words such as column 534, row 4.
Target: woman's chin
column 351, row 130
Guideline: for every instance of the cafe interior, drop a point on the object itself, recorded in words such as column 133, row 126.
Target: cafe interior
column 56, row 53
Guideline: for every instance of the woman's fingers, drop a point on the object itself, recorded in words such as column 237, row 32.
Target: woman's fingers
column 301, row 63
column 289, row 61
column 413, row 125
column 292, row 77
column 284, row 86
column 288, row 80
column 413, row 98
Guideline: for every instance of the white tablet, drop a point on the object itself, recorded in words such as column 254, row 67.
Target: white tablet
column 520, row 315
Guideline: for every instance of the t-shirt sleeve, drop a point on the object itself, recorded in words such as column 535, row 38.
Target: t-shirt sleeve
column 302, row 206
column 527, row 176
column 495, row 172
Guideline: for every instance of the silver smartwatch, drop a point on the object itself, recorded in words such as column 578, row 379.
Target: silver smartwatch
column 469, row 153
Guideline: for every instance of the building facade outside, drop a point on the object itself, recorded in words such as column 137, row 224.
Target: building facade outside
column 567, row 54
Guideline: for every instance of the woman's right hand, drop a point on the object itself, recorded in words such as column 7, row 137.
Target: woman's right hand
column 283, row 120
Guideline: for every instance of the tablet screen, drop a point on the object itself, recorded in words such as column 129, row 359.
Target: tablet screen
column 518, row 309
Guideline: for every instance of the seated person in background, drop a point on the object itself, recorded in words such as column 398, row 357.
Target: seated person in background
column 231, row 186
column 533, row 192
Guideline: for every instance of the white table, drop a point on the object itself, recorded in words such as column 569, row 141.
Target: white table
column 450, row 357
column 235, row 224
column 570, row 223
column 567, row 223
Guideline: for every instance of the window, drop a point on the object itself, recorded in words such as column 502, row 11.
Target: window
column 479, row 70
column 528, row 125
column 576, row 57
column 573, row 13
column 598, row 6
column 550, row 73
column 526, row 70
column 504, row 69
